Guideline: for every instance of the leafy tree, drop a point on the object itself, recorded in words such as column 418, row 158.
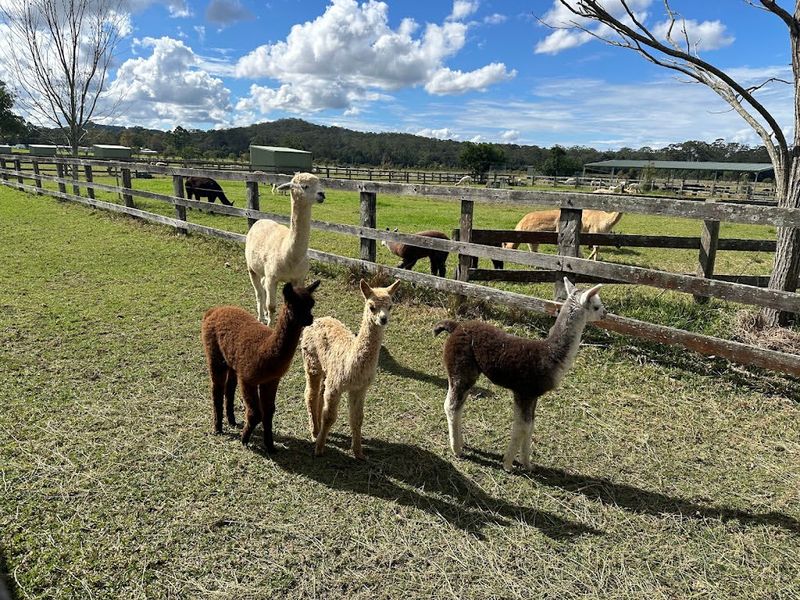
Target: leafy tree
column 11, row 125
column 479, row 158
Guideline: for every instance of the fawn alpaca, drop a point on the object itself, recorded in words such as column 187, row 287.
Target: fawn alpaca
column 411, row 254
column 240, row 349
column 528, row 368
column 336, row 361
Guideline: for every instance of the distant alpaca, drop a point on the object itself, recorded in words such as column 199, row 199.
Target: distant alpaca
column 528, row 368
column 592, row 221
column 465, row 180
column 199, row 187
column 275, row 252
column 411, row 254
column 336, row 361
column 240, row 349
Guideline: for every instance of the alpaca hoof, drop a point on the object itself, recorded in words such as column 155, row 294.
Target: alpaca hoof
column 360, row 455
column 272, row 449
column 508, row 466
column 216, row 431
column 319, row 451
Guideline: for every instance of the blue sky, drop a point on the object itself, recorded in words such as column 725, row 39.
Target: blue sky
column 482, row 70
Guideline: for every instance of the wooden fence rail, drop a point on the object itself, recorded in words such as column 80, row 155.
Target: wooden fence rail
column 573, row 266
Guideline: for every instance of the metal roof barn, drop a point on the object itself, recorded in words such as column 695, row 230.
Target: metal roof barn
column 276, row 159
column 110, row 151
column 42, row 150
column 5, row 149
column 757, row 169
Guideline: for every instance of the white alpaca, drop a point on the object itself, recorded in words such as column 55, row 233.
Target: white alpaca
column 633, row 189
column 275, row 252
column 465, row 180
column 336, row 361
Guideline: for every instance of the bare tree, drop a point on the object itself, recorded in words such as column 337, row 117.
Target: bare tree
column 676, row 51
column 59, row 53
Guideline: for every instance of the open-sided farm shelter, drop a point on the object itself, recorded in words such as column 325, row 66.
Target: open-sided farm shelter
column 42, row 150
column 4, row 149
column 757, row 170
column 275, row 159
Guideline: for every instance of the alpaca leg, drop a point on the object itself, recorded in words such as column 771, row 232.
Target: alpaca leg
column 260, row 294
column 217, row 390
column 518, row 428
column 329, row 412
column 528, row 410
column 593, row 255
column 230, row 395
column 272, row 287
column 454, row 410
column 356, row 405
column 533, row 247
column 266, row 395
column 252, row 414
column 313, row 399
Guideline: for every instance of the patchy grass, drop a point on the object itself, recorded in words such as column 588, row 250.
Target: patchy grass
column 657, row 473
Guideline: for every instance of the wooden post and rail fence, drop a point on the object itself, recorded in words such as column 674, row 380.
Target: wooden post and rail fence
column 472, row 242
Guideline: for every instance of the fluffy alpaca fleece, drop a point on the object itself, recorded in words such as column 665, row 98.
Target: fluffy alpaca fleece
column 411, row 254
column 336, row 361
column 275, row 252
column 528, row 368
column 240, row 349
column 592, row 221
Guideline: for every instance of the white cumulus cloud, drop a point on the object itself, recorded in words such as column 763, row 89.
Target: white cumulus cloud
column 351, row 54
column 463, row 9
column 708, row 35
column 510, row 135
column 169, row 87
column 439, row 134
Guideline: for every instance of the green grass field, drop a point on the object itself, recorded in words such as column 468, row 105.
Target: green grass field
column 657, row 473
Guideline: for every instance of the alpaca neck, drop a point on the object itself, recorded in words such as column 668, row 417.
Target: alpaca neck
column 299, row 229
column 368, row 341
column 564, row 337
column 283, row 343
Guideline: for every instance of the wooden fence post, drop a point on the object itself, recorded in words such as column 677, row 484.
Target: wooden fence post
column 369, row 203
column 3, row 175
column 62, row 187
column 18, row 169
column 87, row 171
column 465, row 235
column 709, row 238
column 76, row 189
column 569, row 234
column 177, row 191
column 36, row 178
column 252, row 200
column 126, row 183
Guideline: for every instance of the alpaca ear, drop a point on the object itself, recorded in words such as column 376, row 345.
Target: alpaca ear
column 284, row 186
column 587, row 295
column 568, row 286
column 314, row 285
column 393, row 288
column 288, row 292
column 365, row 289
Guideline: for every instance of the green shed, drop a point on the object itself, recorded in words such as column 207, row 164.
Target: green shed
column 5, row 149
column 274, row 159
column 42, row 150
column 110, row 151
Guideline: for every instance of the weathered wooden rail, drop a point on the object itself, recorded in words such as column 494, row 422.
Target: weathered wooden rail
column 567, row 263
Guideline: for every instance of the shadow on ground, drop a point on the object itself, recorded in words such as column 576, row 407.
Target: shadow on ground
column 7, row 590
column 415, row 477
column 637, row 500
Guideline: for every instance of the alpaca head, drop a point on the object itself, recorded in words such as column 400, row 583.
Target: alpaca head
column 300, row 301
column 304, row 188
column 385, row 243
column 378, row 302
column 588, row 301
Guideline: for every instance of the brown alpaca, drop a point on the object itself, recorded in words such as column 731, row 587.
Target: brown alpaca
column 528, row 368
column 411, row 254
column 240, row 349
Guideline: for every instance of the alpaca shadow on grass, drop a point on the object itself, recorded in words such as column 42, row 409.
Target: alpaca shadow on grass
column 412, row 476
column 388, row 363
column 634, row 499
column 8, row 590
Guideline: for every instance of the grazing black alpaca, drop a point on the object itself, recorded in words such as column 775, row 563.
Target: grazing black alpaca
column 199, row 187
column 411, row 254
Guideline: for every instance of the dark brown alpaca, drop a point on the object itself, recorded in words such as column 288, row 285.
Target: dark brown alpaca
column 240, row 349
column 528, row 368
column 411, row 254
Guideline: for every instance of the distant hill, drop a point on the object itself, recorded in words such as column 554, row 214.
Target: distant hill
column 337, row 145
